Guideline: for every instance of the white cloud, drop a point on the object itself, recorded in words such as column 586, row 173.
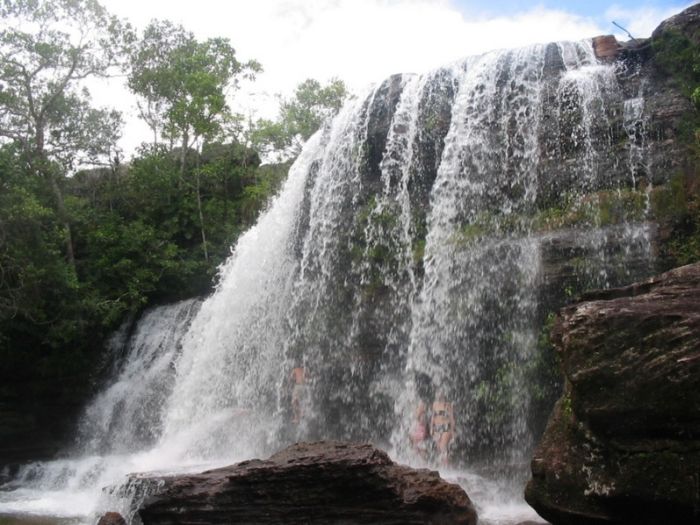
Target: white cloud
column 359, row 41
column 640, row 21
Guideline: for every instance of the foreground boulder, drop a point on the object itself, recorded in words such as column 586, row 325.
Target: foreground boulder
column 623, row 443
column 324, row 483
column 112, row 518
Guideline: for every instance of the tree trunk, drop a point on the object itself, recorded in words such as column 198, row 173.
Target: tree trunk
column 63, row 217
column 44, row 168
column 199, row 208
column 183, row 153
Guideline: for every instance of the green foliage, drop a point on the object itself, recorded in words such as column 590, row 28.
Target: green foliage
column 300, row 116
column 677, row 203
column 312, row 103
column 136, row 233
column 373, row 246
column 40, row 303
column 545, row 377
column 601, row 208
column 678, row 56
column 184, row 82
column 43, row 108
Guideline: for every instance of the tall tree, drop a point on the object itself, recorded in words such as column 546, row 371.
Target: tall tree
column 311, row 105
column 47, row 47
column 183, row 84
column 301, row 115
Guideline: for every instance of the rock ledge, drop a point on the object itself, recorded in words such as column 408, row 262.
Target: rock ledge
column 311, row 483
column 623, row 443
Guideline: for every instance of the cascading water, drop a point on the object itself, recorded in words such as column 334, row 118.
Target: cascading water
column 419, row 242
column 126, row 416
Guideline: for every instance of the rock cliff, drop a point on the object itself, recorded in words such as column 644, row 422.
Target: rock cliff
column 623, row 443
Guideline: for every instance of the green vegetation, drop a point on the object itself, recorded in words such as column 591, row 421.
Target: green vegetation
column 87, row 240
column 602, row 208
column 678, row 202
column 136, row 235
column 300, row 116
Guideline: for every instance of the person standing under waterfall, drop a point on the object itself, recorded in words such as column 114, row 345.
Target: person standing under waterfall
column 298, row 393
column 420, row 433
column 442, row 427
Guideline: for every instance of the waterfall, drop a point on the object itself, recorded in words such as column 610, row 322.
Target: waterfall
column 414, row 251
column 126, row 415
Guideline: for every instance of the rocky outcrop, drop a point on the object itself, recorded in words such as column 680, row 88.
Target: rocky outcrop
column 686, row 22
column 606, row 48
column 324, row 482
column 623, row 443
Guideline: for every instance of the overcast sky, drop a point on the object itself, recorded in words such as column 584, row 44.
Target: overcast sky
column 363, row 41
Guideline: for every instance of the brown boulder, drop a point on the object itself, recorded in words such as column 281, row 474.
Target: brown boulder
column 623, row 443
column 311, row 483
column 112, row 518
column 631, row 356
column 606, row 48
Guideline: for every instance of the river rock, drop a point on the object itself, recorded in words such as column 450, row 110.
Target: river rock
column 311, row 483
column 623, row 443
column 112, row 518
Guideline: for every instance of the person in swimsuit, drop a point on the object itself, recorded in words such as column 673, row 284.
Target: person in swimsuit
column 442, row 427
column 298, row 393
column 420, row 433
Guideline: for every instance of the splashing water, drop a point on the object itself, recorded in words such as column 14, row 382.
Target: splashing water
column 413, row 253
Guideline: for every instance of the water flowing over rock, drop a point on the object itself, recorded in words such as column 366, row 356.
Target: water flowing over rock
column 325, row 482
column 414, row 252
column 623, row 444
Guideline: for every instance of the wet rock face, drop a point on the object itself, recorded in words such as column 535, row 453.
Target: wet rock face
column 632, row 356
column 623, row 443
column 324, row 482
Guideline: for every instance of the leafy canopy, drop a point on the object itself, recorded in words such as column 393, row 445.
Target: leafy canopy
column 300, row 116
column 182, row 82
column 46, row 49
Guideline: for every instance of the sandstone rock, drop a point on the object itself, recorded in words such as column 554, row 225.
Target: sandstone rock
column 628, row 352
column 112, row 518
column 606, row 48
column 686, row 22
column 324, row 482
column 623, row 443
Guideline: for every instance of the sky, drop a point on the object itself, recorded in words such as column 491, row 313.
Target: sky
column 364, row 41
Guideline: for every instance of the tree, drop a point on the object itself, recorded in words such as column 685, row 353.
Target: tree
column 183, row 84
column 311, row 105
column 47, row 47
column 301, row 115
